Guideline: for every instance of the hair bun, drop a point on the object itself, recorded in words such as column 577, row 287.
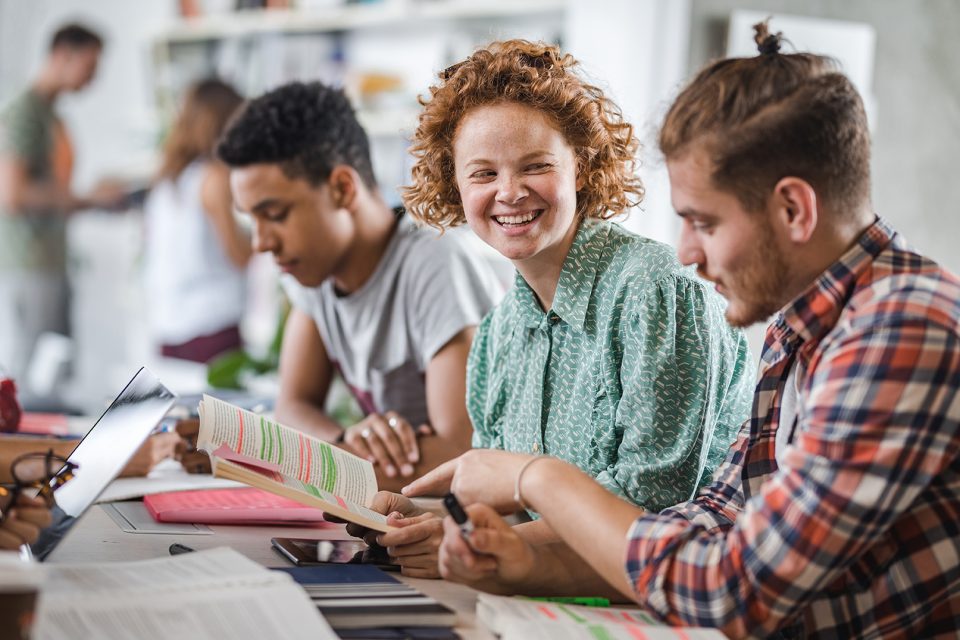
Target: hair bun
column 767, row 43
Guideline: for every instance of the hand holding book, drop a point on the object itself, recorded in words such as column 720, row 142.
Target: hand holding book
column 262, row 453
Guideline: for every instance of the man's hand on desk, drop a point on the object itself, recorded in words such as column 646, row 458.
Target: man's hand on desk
column 414, row 544
column 387, row 440
column 493, row 558
column 23, row 521
column 155, row 449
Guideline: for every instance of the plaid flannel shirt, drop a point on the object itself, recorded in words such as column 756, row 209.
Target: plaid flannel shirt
column 857, row 534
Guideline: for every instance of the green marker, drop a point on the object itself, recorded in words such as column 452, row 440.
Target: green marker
column 588, row 602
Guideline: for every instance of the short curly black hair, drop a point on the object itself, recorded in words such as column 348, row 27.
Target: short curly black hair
column 306, row 128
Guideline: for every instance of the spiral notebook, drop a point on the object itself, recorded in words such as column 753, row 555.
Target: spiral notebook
column 231, row 506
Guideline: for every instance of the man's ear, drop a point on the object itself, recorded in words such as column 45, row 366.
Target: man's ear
column 795, row 208
column 344, row 183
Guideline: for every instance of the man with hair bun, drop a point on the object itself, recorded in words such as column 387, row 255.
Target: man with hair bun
column 391, row 307
column 836, row 512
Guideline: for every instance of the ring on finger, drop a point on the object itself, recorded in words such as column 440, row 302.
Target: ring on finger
column 365, row 434
column 393, row 423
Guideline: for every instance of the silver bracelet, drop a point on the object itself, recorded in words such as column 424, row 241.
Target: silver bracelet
column 516, row 487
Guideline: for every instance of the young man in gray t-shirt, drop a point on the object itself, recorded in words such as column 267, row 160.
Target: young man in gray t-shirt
column 391, row 307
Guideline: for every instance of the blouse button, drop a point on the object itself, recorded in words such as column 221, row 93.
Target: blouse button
column 536, row 447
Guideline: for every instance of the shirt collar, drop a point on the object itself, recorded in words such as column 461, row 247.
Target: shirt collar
column 815, row 312
column 577, row 279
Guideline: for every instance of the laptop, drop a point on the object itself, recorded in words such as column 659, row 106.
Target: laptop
column 103, row 453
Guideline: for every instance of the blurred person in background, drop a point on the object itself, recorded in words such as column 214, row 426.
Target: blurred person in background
column 196, row 253
column 36, row 161
column 23, row 516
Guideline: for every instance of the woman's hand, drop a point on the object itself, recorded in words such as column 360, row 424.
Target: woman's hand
column 480, row 475
column 387, row 440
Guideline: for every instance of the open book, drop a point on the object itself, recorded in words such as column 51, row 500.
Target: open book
column 217, row 594
column 259, row 452
column 523, row 619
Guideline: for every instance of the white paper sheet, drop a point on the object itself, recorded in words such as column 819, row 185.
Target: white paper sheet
column 168, row 475
column 208, row 595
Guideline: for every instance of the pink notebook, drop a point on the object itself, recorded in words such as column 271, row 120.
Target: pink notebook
column 231, row 506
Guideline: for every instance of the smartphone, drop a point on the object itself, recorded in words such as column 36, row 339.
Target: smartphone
column 304, row 552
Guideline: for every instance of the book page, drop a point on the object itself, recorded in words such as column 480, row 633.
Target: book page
column 522, row 618
column 302, row 492
column 297, row 455
column 215, row 566
column 554, row 630
column 217, row 595
column 265, row 611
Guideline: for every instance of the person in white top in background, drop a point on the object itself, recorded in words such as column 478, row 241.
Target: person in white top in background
column 196, row 253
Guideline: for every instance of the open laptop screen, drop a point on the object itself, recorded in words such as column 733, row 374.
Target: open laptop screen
column 105, row 451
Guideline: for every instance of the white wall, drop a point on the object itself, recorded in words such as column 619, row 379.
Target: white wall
column 637, row 51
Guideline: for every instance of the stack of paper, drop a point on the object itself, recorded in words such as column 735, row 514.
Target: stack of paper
column 354, row 596
column 208, row 595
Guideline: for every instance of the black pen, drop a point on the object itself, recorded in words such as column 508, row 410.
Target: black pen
column 459, row 515
column 176, row 549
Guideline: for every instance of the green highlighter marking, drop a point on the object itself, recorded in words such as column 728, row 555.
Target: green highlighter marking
column 329, row 469
column 276, row 427
column 577, row 617
column 263, row 440
column 599, row 632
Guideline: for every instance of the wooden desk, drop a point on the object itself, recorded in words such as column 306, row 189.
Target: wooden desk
column 96, row 538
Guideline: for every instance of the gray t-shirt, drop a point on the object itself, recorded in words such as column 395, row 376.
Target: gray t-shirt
column 426, row 289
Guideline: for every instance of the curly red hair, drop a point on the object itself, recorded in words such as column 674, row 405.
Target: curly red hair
column 539, row 76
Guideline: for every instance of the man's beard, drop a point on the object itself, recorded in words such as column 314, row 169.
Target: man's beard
column 756, row 286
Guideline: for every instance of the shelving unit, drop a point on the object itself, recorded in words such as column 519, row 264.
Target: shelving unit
column 405, row 41
column 393, row 14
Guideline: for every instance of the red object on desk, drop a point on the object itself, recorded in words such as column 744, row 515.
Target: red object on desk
column 9, row 407
column 231, row 506
column 48, row 424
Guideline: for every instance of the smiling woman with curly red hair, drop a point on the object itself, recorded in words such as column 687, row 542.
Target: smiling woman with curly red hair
column 538, row 75
column 606, row 353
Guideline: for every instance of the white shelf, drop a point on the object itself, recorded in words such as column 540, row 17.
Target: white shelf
column 391, row 122
column 350, row 17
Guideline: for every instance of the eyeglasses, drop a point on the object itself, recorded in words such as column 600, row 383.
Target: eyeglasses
column 57, row 471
